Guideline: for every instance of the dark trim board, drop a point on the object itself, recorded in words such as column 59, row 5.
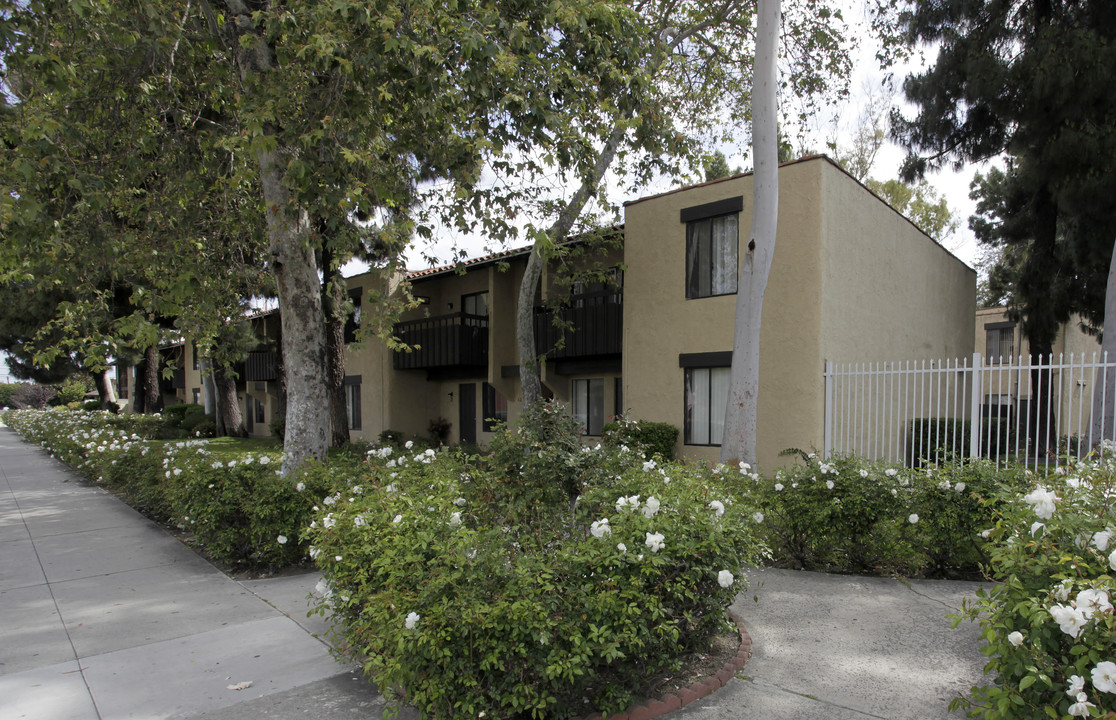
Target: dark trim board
column 705, row 359
column 713, row 209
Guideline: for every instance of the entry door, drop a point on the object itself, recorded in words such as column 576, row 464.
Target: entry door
column 467, row 415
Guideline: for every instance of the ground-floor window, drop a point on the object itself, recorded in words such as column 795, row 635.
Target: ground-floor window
column 706, row 394
column 197, row 396
column 352, row 401
column 495, row 408
column 587, row 400
column 260, row 412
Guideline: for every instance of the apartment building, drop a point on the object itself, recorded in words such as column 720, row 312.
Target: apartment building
column 652, row 338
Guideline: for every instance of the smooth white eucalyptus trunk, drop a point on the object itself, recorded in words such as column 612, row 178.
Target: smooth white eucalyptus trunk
column 739, row 440
column 1104, row 388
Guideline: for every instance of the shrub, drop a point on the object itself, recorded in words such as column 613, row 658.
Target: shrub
column 472, row 600
column 32, row 395
column 91, row 405
column 942, row 440
column 7, row 393
column 439, row 430
column 391, row 437
column 1049, row 622
column 652, row 438
column 71, row 390
column 277, row 425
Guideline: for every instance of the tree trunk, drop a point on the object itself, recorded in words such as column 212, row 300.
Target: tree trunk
column 209, row 392
column 1104, row 386
column 1041, row 325
column 292, row 263
column 524, row 312
column 230, row 415
column 152, row 402
column 137, row 387
column 741, row 409
column 105, row 391
column 332, row 300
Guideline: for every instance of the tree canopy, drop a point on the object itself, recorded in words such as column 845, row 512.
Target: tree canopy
column 1027, row 79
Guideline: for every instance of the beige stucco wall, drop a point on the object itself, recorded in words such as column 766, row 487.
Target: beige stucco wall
column 1073, row 388
column 850, row 280
column 660, row 323
column 891, row 292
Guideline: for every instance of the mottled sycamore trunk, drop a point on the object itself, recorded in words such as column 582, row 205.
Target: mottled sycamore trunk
column 525, row 311
column 232, row 420
column 105, row 392
column 739, row 440
column 292, row 262
column 333, row 294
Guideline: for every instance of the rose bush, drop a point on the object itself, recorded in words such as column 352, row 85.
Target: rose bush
column 1048, row 623
column 546, row 578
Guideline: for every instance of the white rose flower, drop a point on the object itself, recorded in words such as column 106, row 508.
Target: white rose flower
column 913, row 518
column 649, row 466
column 1102, row 539
column 891, row 472
column 717, row 507
column 1104, row 676
column 409, row 444
column 622, row 547
column 328, row 521
column 300, row 487
column 725, row 579
column 1015, row 638
column 959, row 487
column 863, row 473
column 265, row 460
column 282, row 539
column 778, row 487
column 1081, row 707
column 627, row 503
column 455, row 519
column 600, row 528
column 757, row 516
column 1070, row 620
column 1042, row 501
column 651, row 507
column 397, row 519
column 654, row 541
column 1092, row 601
column 460, row 502
column 1076, row 685
column 412, row 617
column 829, row 484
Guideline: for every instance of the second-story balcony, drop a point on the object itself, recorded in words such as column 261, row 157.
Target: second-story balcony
column 455, row 340
column 261, row 366
column 591, row 323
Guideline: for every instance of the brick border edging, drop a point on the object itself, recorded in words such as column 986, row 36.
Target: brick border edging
column 650, row 709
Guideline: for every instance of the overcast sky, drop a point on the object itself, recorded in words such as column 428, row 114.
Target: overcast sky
column 954, row 186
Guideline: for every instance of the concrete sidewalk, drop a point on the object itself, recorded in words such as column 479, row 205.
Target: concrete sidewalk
column 106, row 616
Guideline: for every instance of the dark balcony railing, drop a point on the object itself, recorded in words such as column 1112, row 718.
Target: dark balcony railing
column 595, row 326
column 453, row 340
column 261, row 366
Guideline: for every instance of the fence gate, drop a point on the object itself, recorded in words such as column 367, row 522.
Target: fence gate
column 1002, row 409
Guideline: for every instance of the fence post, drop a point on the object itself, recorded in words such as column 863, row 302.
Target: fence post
column 827, row 436
column 974, row 408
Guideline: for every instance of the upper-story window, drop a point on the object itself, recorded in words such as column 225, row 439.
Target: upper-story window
column 352, row 323
column 712, row 248
column 999, row 342
column 475, row 304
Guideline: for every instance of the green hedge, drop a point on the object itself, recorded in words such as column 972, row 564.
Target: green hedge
column 941, row 440
column 650, row 438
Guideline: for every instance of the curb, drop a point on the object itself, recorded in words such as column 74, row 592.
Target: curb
column 650, row 709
